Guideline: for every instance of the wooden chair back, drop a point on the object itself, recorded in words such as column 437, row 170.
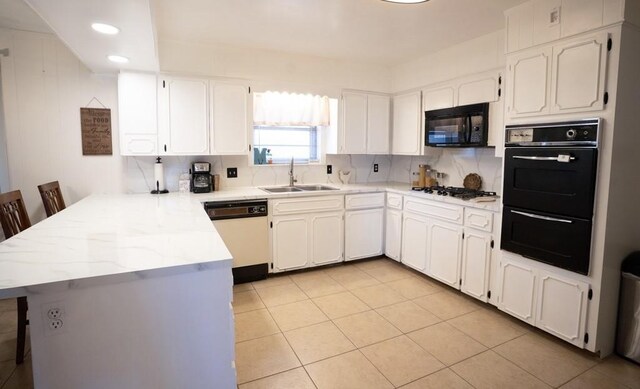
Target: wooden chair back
column 51, row 198
column 13, row 214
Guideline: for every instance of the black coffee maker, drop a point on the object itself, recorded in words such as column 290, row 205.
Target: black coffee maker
column 201, row 179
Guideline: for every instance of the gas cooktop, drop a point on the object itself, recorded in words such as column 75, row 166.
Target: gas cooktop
column 452, row 191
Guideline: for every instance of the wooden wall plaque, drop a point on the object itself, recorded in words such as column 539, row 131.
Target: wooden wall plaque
column 96, row 131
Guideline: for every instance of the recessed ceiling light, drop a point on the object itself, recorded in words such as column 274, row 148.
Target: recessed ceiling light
column 105, row 28
column 406, row 1
column 118, row 59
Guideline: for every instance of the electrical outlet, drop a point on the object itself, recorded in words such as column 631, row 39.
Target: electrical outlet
column 55, row 324
column 54, row 313
column 375, row 167
column 232, row 172
column 329, row 169
column 53, row 317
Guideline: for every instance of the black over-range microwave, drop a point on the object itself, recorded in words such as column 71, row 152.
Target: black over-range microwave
column 464, row 126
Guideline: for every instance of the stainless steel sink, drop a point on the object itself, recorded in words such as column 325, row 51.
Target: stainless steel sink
column 315, row 187
column 297, row 188
column 282, row 189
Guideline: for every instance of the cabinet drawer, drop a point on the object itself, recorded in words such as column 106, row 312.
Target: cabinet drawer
column 360, row 201
column 478, row 219
column 394, row 201
column 306, row 204
column 448, row 212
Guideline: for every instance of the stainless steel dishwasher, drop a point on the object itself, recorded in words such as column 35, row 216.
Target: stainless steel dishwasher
column 244, row 229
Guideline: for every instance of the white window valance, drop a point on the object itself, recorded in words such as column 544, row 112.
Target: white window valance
column 290, row 109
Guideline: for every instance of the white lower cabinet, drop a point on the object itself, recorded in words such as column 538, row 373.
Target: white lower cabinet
column 290, row 236
column 553, row 303
column 476, row 261
column 444, row 252
column 326, row 237
column 562, row 307
column 414, row 240
column 393, row 237
column 517, row 290
column 364, row 231
column 306, row 231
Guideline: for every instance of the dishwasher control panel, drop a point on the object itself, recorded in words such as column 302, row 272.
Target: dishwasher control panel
column 219, row 210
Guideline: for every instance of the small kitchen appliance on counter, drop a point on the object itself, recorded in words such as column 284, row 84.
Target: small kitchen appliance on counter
column 201, row 180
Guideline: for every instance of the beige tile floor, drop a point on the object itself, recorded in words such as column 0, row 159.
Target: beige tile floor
column 377, row 324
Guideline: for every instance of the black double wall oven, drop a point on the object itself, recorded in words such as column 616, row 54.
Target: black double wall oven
column 549, row 189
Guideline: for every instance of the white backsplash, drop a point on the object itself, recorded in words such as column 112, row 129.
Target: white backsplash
column 455, row 163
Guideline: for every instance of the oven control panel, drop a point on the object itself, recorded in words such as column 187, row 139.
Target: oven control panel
column 579, row 133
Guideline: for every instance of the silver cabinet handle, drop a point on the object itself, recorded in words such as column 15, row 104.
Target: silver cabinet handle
column 559, row 158
column 547, row 218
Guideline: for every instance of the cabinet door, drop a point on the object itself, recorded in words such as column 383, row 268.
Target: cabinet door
column 519, row 27
column 290, row 242
column 414, row 241
column 184, row 126
column 230, row 119
column 326, row 237
column 478, row 90
column 407, row 138
column 438, row 98
column 562, row 307
column 579, row 70
column 393, row 237
column 354, row 123
column 528, row 76
column 378, row 124
column 444, row 252
column 137, row 114
column 364, row 233
column 476, row 259
column 517, row 290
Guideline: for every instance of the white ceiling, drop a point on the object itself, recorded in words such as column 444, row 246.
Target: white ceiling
column 16, row 14
column 370, row 31
column 357, row 30
column 71, row 21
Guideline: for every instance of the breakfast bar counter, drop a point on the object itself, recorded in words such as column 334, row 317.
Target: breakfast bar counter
column 125, row 291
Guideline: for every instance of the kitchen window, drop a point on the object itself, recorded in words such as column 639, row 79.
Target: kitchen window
column 289, row 125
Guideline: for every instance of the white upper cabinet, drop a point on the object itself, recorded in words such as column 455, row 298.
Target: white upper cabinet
column 540, row 21
column 438, row 98
column 231, row 118
column 184, row 116
column 378, row 124
column 354, row 123
column 479, row 89
column 578, row 74
column 137, row 113
column 407, row 131
column 528, row 82
column 365, row 123
column 563, row 78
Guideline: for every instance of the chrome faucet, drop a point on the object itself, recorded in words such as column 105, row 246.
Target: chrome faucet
column 291, row 179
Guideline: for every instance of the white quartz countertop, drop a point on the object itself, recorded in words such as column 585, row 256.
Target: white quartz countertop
column 106, row 235
column 252, row 193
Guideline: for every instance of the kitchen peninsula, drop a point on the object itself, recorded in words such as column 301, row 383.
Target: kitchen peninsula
column 125, row 291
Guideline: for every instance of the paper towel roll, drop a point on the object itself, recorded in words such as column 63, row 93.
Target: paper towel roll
column 158, row 176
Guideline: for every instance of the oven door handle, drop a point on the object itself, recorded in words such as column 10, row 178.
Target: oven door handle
column 559, row 158
column 547, row 218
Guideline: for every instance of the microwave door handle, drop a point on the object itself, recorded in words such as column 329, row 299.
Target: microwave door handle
column 547, row 218
column 468, row 134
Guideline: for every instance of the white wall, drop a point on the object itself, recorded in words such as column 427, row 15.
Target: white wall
column 44, row 85
column 301, row 72
column 4, row 162
column 477, row 55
